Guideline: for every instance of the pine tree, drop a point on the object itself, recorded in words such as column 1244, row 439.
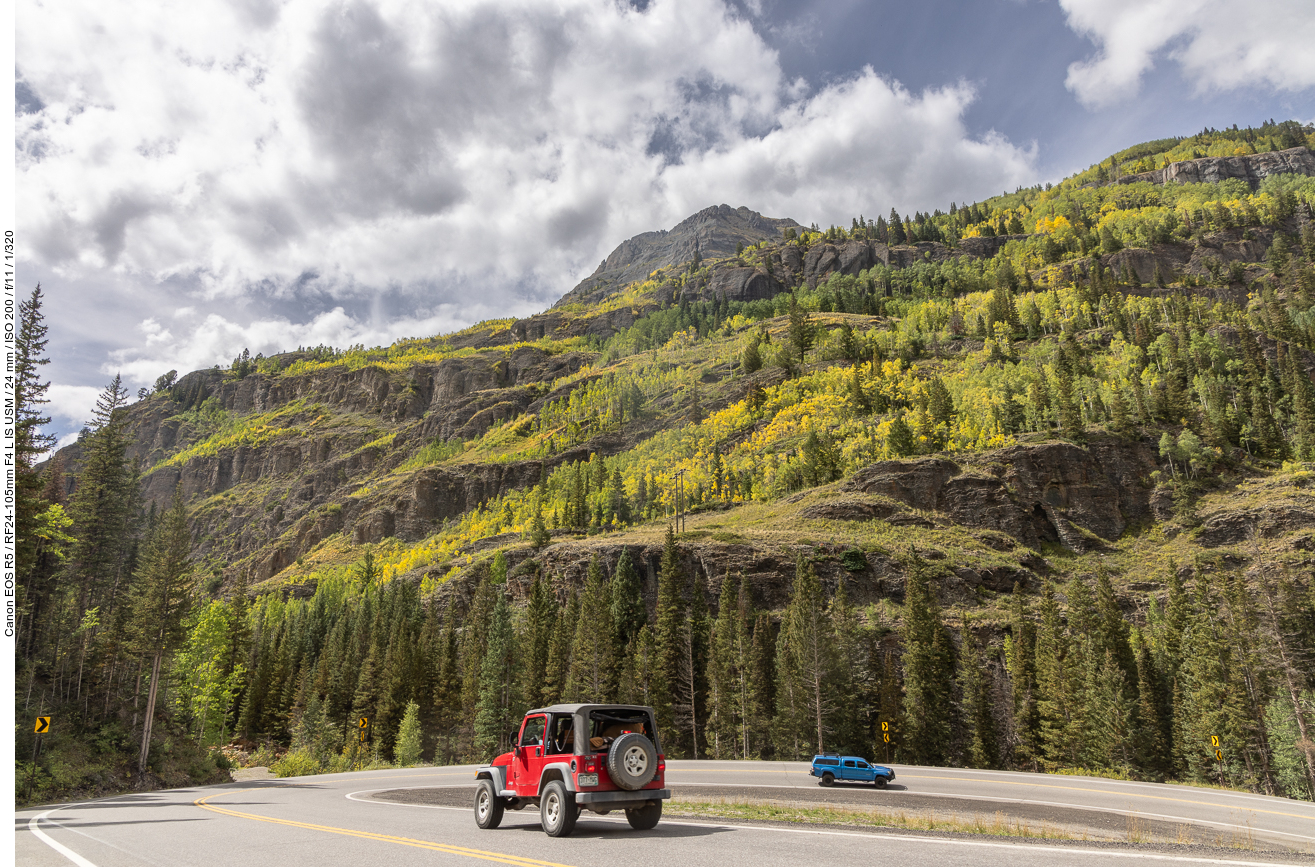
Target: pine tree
column 540, row 624
column 1057, row 686
column 160, row 600
column 560, row 646
column 29, row 395
column 669, row 636
column 723, row 678
column 499, row 706
column 409, row 745
column 629, row 613
column 900, row 438
column 978, row 710
column 103, row 507
column 928, row 671
column 1020, row 646
column 591, row 674
column 763, row 685
column 689, row 697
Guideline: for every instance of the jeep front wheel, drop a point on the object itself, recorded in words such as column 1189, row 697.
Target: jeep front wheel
column 880, row 782
column 828, row 778
column 488, row 806
column 557, row 811
column 645, row 818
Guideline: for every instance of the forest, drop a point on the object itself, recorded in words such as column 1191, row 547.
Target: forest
column 162, row 662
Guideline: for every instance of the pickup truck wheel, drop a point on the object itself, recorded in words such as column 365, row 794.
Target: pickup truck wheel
column 632, row 761
column 879, row 782
column 645, row 818
column 828, row 778
column 557, row 810
column 488, row 806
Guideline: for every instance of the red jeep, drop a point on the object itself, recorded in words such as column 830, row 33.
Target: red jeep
column 568, row 757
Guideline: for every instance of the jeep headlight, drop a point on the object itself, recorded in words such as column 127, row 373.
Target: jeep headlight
column 586, row 779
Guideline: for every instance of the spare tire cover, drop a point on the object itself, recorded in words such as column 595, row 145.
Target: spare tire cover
column 632, row 761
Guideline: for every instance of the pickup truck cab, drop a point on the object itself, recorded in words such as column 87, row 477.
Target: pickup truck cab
column 571, row 757
column 829, row 767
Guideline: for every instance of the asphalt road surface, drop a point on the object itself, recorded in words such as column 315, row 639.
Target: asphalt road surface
column 413, row 817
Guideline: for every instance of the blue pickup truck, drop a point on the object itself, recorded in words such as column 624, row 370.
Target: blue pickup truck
column 829, row 767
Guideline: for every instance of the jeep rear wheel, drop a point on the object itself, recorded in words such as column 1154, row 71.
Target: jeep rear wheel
column 644, row 818
column 632, row 761
column 488, row 806
column 828, row 778
column 557, row 810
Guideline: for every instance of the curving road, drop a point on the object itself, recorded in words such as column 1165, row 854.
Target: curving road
column 357, row 820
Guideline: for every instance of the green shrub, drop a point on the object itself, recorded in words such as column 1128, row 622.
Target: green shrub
column 296, row 763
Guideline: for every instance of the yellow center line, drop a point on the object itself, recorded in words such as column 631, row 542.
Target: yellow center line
column 369, row 835
column 1021, row 783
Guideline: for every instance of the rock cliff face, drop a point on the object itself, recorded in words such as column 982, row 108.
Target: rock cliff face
column 1252, row 168
column 714, row 232
column 1056, row 492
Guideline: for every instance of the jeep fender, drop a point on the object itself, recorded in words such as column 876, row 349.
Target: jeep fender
column 557, row 770
column 497, row 774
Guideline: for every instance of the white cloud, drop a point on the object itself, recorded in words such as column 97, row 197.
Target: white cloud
column 1220, row 44
column 70, row 406
column 359, row 170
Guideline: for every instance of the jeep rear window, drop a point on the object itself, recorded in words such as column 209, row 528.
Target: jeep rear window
column 607, row 726
column 828, row 761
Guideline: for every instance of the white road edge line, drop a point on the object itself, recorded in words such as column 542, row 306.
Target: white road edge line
column 1146, row 856
column 53, row 844
column 970, row 774
column 1115, row 810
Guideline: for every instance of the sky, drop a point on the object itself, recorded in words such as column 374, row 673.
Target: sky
column 195, row 178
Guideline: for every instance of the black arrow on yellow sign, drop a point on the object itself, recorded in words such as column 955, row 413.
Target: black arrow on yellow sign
column 43, row 725
column 363, row 722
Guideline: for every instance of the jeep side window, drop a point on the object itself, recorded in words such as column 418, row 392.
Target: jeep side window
column 563, row 735
column 532, row 734
column 864, row 765
column 849, row 763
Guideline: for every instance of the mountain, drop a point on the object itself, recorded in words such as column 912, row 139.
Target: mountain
column 711, row 233
column 1069, row 427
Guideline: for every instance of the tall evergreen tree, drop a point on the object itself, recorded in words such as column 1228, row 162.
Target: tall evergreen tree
column 1020, row 646
column 928, row 671
column 628, row 611
column 670, row 632
column 978, row 707
column 591, row 676
column 159, row 603
column 103, row 507
column 499, row 705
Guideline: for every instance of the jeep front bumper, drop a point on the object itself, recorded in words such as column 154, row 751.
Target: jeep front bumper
column 638, row 796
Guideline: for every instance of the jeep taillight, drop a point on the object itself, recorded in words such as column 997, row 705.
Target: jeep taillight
column 590, row 764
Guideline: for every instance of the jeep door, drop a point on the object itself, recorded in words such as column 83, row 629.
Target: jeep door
column 866, row 773
column 527, row 758
column 848, row 771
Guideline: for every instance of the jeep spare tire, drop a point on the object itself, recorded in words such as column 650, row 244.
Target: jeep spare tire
column 632, row 761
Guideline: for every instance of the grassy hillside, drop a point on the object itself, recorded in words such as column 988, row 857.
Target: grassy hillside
column 1032, row 481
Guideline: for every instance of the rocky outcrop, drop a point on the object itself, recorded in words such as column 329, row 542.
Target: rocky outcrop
column 1252, row 168
column 1056, row 492
column 713, row 233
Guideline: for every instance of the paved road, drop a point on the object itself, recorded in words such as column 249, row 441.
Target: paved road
column 335, row 820
column 1229, row 814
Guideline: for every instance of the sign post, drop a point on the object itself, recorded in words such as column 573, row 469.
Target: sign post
column 42, row 726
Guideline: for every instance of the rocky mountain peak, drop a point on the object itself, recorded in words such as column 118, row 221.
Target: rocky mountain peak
column 714, row 232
